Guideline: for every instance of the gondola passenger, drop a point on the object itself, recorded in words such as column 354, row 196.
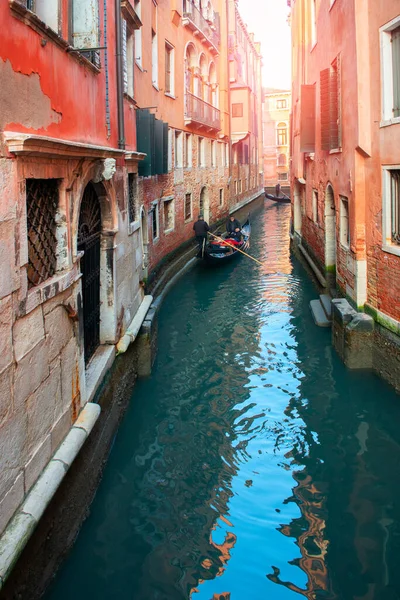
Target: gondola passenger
column 232, row 225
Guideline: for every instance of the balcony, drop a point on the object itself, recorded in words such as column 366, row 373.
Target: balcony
column 199, row 112
column 210, row 34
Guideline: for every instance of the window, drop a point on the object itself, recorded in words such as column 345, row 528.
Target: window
column 282, row 134
column 237, row 110
column 154, row 221
column 169, row 69
column 201, row 152
column 41, row 208
column 331, row 107
column 391, row 209
column 168, row 214
column 188, row 207
column 138, row 35
column 223, row 157
column 213, row 153
column 178, row 149
column 154, row 59
column 280, row 104
column 344, row 222
column 313, row 17
column 390, row 61
column 221, row 196
column 281, row 160
column 188, row 150
column 132, row 197
column 227, row 155
column 127, row 58
column 170, row 143
column 85, row 28
column 315, row 206
column 282, row 176
column 47, row 11
column 240, row 186
column 236, row 186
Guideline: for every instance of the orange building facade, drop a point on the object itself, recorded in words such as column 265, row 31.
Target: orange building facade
column 345, row 147
column 276, row 128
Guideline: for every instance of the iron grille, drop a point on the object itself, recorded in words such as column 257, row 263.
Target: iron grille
column 132, row 191
column 42, row 206
column 89, row 242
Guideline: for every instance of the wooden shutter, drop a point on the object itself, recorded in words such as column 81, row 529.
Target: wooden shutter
column 325, row 109
column 307, row 118
column 165, row 149
column 396, row 71
column 145, row 141
column 334, row 106
column 158, row 147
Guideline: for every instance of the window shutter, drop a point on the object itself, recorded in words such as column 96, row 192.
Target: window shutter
column 159, row 147
column 165, row 149
column 145, row 134
column 396, row 71
column 334, row 141
column 85, row 23
column 325, row 108
column 307, row 120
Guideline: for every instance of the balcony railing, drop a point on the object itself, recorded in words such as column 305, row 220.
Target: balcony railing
column 193, row 17
column 201, row 112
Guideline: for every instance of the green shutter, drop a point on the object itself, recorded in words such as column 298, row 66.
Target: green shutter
column 143, row 134
column 165, row 148
column 159, row 147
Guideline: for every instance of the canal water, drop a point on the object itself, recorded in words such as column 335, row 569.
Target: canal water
column 251, row 462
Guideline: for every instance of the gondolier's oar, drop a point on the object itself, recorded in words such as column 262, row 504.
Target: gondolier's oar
column 235, row 248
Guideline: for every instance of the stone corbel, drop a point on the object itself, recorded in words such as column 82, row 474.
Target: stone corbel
column 130, row 16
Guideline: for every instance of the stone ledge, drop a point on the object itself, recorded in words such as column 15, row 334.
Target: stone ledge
column 21, row 527
column 96, row 370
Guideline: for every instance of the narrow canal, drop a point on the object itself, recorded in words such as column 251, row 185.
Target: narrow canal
column 251, row 462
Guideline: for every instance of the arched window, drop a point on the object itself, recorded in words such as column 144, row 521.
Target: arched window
column 282, row 160
column 190, row 63
column 203, row 91
column 282, row 134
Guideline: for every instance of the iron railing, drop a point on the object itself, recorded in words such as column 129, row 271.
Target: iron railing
column 193, row 14
column 202, row 112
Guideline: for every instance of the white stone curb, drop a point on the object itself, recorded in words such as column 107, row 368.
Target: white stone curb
column 133, row 329
column 22, row 525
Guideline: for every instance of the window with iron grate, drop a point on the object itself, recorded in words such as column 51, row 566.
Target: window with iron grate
column 132, row 197
column 42, row 199
column 188, row 207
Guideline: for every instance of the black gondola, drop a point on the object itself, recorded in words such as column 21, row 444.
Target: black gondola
column 217, row 252
column 283, row 199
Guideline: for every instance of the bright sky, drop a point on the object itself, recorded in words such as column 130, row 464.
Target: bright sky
column 268, row 20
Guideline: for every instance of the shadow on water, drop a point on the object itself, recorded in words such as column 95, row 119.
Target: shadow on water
column 251, row 462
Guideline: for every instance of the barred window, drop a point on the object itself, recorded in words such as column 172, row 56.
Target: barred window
column 188, row 207
column 132, row 197
column 42, row 198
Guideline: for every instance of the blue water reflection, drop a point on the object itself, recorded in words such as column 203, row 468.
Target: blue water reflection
column 251, row 462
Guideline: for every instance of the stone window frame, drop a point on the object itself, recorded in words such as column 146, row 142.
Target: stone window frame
column 385, row 34
column 315, row 214
column 170, row 201
column 387, row 243
column 344, row 217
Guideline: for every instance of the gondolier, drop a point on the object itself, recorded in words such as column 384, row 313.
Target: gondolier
column 201, row 229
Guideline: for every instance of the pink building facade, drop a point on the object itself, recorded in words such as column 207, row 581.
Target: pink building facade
column 346, row 147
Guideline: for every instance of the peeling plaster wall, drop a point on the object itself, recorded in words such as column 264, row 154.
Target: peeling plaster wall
column 22, row 100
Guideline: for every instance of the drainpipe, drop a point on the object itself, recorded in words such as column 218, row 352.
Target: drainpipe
column 120, row 83
column 108, row 125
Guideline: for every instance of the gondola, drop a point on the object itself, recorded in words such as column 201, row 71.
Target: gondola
column 283, row 199
column 218, row 253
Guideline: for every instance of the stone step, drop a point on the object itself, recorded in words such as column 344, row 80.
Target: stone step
column 326, row 302
column 318, row 313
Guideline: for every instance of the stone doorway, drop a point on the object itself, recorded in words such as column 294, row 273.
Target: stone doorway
column 205, row 204
column 330, row 236
column 89, row 238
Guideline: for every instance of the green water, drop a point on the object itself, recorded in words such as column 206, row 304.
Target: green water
column 251, row 461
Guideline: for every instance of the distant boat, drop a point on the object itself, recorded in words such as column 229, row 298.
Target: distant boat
column 218, row 252
column 283, row 199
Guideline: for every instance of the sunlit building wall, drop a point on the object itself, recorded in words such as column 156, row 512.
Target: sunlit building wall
column 276, row 129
